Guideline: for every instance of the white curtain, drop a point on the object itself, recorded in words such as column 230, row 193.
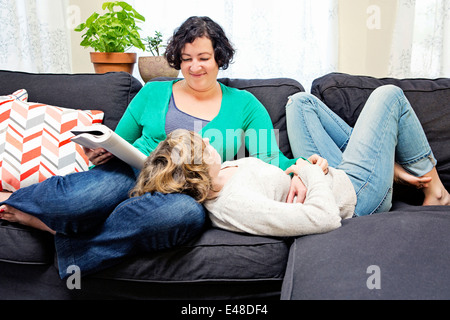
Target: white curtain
column 284, row 38
column 34, row 36
column 421, row 40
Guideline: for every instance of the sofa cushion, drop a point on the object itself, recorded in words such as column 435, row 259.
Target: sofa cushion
column 36, row 143
column 397, row 255
column 24, row 245
column 346, row 95
column 217, row 255
column 109, row 92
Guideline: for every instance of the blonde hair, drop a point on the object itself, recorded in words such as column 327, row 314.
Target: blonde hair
column 177, row 166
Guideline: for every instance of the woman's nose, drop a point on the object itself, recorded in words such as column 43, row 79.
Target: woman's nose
column 196, row 65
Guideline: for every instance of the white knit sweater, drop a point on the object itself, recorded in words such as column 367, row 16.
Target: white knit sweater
column 253, row 200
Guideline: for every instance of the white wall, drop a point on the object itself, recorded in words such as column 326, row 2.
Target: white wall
column 81, row 10
column 365, row 34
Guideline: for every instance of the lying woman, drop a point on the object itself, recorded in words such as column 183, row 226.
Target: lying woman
column 248, row 195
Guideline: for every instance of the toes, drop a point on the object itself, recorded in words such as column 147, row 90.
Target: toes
column 8, row 217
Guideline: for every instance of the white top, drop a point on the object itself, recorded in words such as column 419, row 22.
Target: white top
column 253, row 200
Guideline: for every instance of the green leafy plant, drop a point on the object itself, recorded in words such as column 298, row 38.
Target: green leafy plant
column 153, row 44
column 114, row 31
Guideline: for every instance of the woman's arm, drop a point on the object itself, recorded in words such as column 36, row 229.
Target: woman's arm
column 128, row 126
column 244, row 210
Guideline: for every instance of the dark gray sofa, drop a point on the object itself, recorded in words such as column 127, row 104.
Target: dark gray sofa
column 217, row 265
column 410, row 245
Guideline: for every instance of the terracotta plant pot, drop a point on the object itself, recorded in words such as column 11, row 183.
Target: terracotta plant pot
column 153, row 67
column 113, row 61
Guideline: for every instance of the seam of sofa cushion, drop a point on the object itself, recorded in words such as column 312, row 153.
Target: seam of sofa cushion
column 287, row 287
column 272, row 86
column 7, row 225
column 25, row 262
column 233, row 245
column 185, row 281
column 130, row 85
column 322, row 91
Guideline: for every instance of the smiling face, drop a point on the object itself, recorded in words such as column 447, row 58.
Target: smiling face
column 198, row 64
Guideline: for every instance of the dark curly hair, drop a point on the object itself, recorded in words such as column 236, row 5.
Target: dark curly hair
column 197, row 27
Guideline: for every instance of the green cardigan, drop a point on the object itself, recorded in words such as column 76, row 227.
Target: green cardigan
column 241, row 119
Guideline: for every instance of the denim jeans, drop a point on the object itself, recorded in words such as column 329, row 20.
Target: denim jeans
column 387, row 131
column 96, row 222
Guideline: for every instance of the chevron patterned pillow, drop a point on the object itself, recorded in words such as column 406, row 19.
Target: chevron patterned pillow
column 5, row 106
column 5, row 110
column 36, row 143
column 21, row 95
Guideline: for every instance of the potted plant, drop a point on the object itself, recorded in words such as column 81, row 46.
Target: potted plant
column 110, row 35
column 156, row 65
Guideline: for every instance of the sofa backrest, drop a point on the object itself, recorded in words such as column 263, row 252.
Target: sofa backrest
column 430, row 98
column 110, row 92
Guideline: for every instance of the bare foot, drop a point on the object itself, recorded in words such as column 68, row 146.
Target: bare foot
column 435, row 193
column 401, row 176
column 11, row 214
column 431, row 185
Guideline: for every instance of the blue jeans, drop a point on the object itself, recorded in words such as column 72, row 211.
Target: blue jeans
column 387, row 131
column 96, row 222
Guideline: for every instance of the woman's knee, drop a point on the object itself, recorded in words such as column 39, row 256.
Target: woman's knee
column 190, row 215
column 387, row 98
column 171, row 213
column 389, row 91
column 300, row 100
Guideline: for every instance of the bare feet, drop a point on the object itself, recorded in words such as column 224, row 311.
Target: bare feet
column 435, row 193
column 431, row 185
column 11, row 214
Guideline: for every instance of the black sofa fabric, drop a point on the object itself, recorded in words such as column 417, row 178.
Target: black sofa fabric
column 396, row 255
column 216, row 265
column 110, row 92
column 407, row 251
